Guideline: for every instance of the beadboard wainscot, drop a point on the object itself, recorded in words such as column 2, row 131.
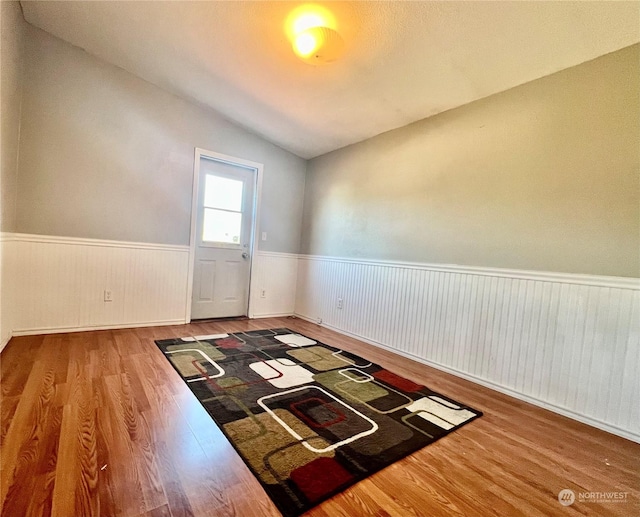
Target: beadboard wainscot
column 7, row 309
column 58, row 284
column 569, row 343
column 273, row 290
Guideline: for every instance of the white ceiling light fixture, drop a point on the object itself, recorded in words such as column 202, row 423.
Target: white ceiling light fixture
column 312, row 31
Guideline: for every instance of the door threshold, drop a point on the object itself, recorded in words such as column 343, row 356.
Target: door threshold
column 218, row 320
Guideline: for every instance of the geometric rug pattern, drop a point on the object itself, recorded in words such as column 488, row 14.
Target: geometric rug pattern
column 309, row 419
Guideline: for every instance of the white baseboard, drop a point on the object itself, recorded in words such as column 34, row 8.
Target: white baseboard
column 272, row 315
column 5, row 342
column 65, row 330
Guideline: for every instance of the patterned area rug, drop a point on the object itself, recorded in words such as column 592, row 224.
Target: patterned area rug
column 308, row 419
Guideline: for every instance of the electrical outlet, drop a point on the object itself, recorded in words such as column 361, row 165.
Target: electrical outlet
column 339, row 303
column 108, row 295
column 263, row 293
column 264, row 236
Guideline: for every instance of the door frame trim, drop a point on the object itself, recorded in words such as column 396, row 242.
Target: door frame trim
column 258, row 168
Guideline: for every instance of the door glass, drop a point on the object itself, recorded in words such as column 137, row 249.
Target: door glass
column 222, row 221
column 223, row 193
column 221, row 226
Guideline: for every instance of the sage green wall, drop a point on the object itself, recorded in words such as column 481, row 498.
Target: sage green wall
column 11, row 30
column 106, row 155
column 544, row 176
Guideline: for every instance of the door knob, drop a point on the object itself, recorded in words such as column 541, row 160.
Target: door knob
column 245, row 255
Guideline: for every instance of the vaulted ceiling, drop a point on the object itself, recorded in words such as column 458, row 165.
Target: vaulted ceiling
column 404, row 61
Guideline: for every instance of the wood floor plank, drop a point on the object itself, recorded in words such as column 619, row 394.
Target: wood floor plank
column 177, row 500
column 21, row 449
column 100, row 424
column 124, row 470
column 8, row 406
column 75, row 490
column 15, row 368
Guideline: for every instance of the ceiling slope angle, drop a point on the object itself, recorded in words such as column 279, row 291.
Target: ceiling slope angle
column 401, row 62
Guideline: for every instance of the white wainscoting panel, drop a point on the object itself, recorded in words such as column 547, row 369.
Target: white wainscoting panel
column 566, row 342
column 7, row 309
column 276, row 276
column 58, row 284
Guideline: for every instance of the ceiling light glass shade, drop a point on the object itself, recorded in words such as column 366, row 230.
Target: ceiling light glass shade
column 318, row 45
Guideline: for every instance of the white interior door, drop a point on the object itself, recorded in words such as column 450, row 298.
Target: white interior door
column 226, row 203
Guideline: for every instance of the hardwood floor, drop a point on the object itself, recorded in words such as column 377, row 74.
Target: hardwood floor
column 100, row 424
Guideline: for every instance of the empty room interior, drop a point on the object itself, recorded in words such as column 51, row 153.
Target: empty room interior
column 330, row 259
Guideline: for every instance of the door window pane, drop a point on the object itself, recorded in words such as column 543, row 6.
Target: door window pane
column 221, row 226
column 222, row 193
